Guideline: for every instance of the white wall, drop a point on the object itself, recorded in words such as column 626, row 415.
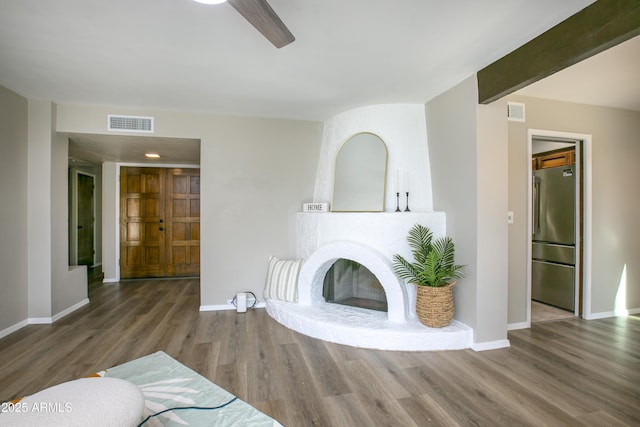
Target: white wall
column 41, row 129
column 467, row 145
column 36, row 285
column 493, row 234
column 13, row 211
column 616, row 234
column 54, row 289
column 110, row 228
column 69, row 284
column 255, row 173
column 403, row 129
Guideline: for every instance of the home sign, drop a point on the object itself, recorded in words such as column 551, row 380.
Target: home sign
column 315, row 207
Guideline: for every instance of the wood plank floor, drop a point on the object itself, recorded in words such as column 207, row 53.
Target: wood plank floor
column 564, row 373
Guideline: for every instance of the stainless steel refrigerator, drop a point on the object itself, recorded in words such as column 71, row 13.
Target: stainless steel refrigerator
column 554, row 237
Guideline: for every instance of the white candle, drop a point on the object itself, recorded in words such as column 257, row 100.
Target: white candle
column 397, row 181
column 407, row 181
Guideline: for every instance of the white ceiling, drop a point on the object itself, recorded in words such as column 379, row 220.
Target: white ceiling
column 185, row 56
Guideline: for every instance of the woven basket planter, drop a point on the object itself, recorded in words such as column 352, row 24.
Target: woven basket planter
column 434, row 305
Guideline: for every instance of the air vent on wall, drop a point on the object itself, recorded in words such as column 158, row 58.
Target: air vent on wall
column 129, row 124
column 515, row 112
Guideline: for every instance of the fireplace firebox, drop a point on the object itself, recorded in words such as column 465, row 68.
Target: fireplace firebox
column 348, row 282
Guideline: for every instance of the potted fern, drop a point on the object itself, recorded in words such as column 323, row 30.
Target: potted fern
column 433, row 272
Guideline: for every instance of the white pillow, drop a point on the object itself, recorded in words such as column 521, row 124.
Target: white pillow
column 282, row 279
column 85, row 402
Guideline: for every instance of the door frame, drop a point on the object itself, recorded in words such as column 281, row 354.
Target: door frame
column 119, row 166
column 73, row 218
column 582, row 265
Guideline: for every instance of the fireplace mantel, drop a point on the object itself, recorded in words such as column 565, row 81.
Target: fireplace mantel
column 384, row 231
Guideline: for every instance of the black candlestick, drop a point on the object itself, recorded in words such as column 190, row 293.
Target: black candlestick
column 398, row 202
column 407, row 209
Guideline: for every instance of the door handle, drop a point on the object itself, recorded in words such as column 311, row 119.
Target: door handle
column 536, row 205
column 79, row 227
column 161, row 228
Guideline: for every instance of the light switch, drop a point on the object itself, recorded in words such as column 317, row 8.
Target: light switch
column 510, row 217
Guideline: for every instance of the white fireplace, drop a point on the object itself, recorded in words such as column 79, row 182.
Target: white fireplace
column 370, row 239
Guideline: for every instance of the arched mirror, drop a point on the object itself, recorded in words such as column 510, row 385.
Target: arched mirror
column 359, row 182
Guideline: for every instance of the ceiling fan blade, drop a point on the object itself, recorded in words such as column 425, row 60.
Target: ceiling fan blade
column 264, row 19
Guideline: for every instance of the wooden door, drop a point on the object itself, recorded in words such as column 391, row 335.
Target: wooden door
column 159, row 222
column 85, row 225
column 183, row 222
column 142, row 227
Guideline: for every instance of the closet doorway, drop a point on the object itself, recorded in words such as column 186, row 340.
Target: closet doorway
column 159, row 222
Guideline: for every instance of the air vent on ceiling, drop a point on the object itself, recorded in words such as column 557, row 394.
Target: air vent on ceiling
column 129, row 124
column 515, row 112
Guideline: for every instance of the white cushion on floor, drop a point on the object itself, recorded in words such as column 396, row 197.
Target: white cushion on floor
column 85, row 402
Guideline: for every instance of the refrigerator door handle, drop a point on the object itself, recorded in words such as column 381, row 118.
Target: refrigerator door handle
column 536, row 205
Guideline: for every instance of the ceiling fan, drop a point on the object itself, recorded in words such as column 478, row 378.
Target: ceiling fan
column 262, row 17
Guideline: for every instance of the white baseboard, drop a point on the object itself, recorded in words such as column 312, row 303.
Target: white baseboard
column 217, row 307
column 601, row 315
column 516, row 326
column 40, row 320
column 43, row 320
column 12, row 329
column 70, row 310
column 110, row 280
column 227, row 306
column 607, row 314
column 490, row 345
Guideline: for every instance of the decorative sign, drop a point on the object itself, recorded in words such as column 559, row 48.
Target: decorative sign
column 315, row 207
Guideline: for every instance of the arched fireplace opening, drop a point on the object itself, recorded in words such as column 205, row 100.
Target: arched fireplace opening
column 348, row 282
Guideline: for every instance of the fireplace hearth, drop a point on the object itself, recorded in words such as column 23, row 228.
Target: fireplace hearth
column 371, row 240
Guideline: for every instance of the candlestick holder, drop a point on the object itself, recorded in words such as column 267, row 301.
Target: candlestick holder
column 398, row 202
column 407, row 209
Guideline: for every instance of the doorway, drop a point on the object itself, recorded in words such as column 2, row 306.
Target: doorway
column 86, row 219
column 553, row 266
column 82, row 218
column 159, row 222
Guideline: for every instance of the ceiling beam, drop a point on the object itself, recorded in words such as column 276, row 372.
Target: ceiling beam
column 596, row 28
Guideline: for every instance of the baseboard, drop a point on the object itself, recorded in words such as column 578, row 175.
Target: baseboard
column 516, row 326
column 490, row 345
column 607, row 314
column 601, row 315
column 227, row 306
column 70, row 310
column 12, row 329
column 40, row 320
column 110, row 280
column 220, row 307
column 43, row 320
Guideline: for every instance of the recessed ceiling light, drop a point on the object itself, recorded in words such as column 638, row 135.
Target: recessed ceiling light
column 210, row 1
column 152, row 155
